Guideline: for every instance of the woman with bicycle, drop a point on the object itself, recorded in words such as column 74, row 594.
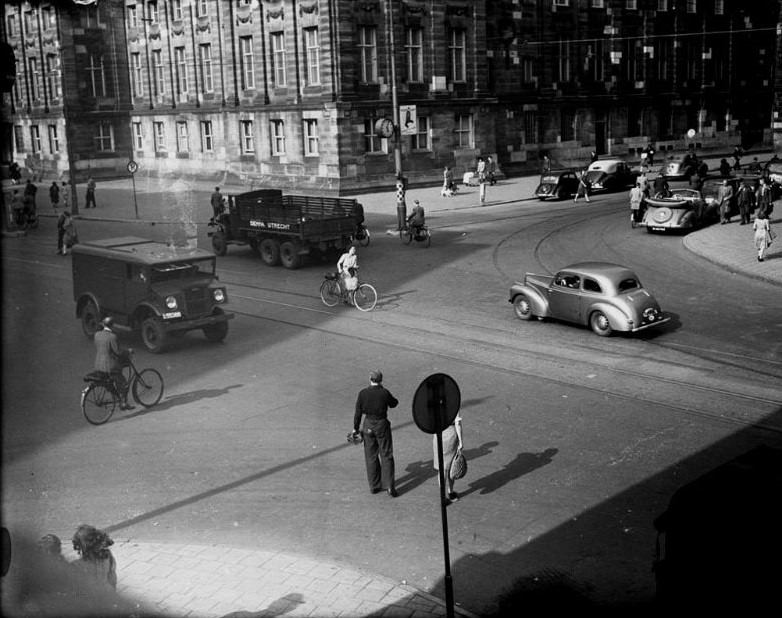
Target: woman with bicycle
column 346, row 267
column 109, row 358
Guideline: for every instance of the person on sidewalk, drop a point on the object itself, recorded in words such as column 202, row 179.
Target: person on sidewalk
column 724, row 197
column 763, row 235
column 89, row 200
column 583, row 188
column 746, row 202
column 636, row 197
column 491, row 170
column 763, row 198
column 66, row 195
column 452, row 443
column 54, row 194
column 373, row 403
column 483, row 181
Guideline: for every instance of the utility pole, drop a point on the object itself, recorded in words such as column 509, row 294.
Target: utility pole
column 776, row 114
column 394, row 103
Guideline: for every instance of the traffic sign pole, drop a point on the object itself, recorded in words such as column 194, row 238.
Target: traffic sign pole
column 132, row 169
column 449, row 605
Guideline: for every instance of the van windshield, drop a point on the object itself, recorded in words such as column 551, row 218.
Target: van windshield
column 181, row 270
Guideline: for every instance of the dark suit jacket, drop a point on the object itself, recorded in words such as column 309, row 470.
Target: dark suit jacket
column 107, row 351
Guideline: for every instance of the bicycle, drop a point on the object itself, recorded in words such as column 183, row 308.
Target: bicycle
column 364, row 297
column 419, row 233
column 103, row 394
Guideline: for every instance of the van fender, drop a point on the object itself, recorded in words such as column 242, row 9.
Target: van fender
column 537, row 301
column 617, row 318
column 83, row 300
column 142, row 311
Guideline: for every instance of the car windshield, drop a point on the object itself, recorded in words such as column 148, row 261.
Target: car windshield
column 625, row 285
column 181, row 270
column 546, row 180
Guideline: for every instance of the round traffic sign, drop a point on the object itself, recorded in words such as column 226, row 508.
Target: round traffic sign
column 132, row 166
column 436, row 403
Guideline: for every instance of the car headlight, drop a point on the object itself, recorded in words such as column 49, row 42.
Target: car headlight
column 171, row 302
column 218, row 295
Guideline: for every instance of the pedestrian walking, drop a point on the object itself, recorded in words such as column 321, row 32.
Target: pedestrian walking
column 724, row 197
column 54, row 194
column 546, row 164
column 746, row 202
column 737, row 154
column 62, row 221
column 482, row 182
column 30, row 191
column 583, row 187
column 636, row 197
column 217, row 204
column 763, row 198
column 452, row 444
column 491, row 169
column 95, row 558
column 650, row 154
column 724, row 168
column 448, row 187
column 90, row 198
column 373, row 403
column 66, row 195
column 401, row 205
column 763, row 235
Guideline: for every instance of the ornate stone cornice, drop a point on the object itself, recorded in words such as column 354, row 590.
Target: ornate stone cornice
column 308, row 9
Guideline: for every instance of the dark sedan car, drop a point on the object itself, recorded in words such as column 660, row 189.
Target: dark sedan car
column 557, row 185
column 610, row 175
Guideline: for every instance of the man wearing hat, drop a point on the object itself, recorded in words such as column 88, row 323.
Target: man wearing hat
column 417, row 218
column 373, row 403
column 108, row 358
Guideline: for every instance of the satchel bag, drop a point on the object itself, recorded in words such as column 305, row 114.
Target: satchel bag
column 458, row 465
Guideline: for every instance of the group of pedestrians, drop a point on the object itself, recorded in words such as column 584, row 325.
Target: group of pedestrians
column 372, row 404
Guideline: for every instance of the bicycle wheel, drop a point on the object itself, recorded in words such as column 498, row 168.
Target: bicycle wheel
column 147, row 388
column 365, row 297
column 329, row 292
column 405, row 236
column 98, row 402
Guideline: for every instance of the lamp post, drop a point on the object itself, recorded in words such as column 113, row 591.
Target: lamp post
column 394, row 101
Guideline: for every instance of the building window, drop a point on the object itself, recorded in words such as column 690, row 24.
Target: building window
column 531, row 127
column 132, row 17
column 568, row 125
column 312, row 51
column 47, row 18
column 372, row 141
column 19, row 138
column 104, row 140
column 35, row 139
column 207, row 81
column 311, row 137
column 692, row 6
column 248, row 73
column 415, row 57
column 662, row 5
column 11, row 25
column 277, row 128
column 207, row 138
column 278, row 59
column 28, row 22
column 54, row 139
column 528, row 70
column 159, row 134
column 719, row 7
column 53, row 75
column 35, row 79
column 181, row 69
column 563, row 62
column 91, row 17
column 593, row 61
column 138, row 136
column 97, row 76
column 182, row 137
column 248, row 141
column 202, row 8
column 176, row 10
column 367, row 47
column 159, row 75
column 135, row 75
column 18, row 83
column 631, row 5
column 597, row 4
column 420, row 141
column 152, row 12
column 457, row 55
column 561, row 2
column 464, row 131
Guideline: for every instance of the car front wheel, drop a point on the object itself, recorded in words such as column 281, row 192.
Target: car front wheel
column 216, row 332
column 90, row 319
column 153, row 335
column 600, row 324
column 522, row 307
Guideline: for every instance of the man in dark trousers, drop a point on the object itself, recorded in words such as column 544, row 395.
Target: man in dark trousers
column 373, row 403
column 109, row 358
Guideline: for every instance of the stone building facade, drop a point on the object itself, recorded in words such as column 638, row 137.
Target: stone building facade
column 292, row 93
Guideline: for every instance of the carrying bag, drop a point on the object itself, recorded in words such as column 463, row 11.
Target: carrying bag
column 351, row 283
column 458, row 465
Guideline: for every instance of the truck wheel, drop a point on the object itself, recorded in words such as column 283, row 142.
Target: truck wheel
column 216, row 332
column 90, row 319
column 153, row 335
column 270, row 252
column 254, row 245
column 289, row 255
column 219, row 246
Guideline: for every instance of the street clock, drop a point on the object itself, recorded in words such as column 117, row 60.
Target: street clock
column 384, row 127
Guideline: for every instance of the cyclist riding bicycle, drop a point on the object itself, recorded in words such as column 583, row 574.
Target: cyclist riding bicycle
column 417, row 218
column 346, row 267
column 110, row 358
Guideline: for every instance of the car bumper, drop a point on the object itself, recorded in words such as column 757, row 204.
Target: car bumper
column 209, row 320
column 651, row 324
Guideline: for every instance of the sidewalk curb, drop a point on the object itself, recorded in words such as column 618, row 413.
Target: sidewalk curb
column 727, row 267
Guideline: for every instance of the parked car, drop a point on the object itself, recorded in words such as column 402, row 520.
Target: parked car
column 683, row 210
column 150, row 287
column 610, row 175
column 775, row 172
column 557, row 184
column 680, row 165
column 607, row 297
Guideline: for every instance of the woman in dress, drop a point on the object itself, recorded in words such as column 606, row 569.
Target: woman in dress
column 452, row 442
column 762, row 238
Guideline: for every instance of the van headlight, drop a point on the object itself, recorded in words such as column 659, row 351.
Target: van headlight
column 171, row 302
column 218, row 295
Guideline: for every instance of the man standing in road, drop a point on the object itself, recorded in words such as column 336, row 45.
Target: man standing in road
column 89, row 200
column 54, row 194
column 217, row 203
column 724, row 196
column 373, row 403
column 636, row 197
column 583, row 187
